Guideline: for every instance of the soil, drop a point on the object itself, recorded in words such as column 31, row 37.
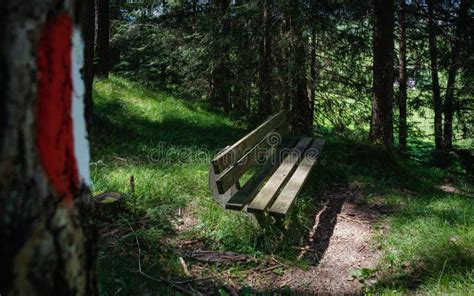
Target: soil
column 339, row 245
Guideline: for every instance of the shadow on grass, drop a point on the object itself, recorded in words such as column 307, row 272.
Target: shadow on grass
column 417, row 200
column 118, row 131
column 429, row 227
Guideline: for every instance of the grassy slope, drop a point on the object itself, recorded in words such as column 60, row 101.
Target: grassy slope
column 166, row 144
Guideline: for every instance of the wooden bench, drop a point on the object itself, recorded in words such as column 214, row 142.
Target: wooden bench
column 281, row 163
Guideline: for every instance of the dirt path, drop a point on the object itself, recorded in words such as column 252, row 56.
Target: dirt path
column 339, row 244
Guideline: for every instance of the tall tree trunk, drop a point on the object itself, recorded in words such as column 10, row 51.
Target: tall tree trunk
column 102, row 28
column 402, row 99
column 300, row 112
column 452, row 72
column 47, row 242
column 115, row 10
column 220, row 76
column 265, row 71
column 286, row 54
column 301, row 105
column 194, row 12
column 87, row 23
column 313, row 71
column 381, row 127
column 437, row 101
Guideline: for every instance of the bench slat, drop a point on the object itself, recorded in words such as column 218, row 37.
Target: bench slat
column 230, row 155
column 288, row 195
column 270, row 189
column 248, row 191
column 227, row 179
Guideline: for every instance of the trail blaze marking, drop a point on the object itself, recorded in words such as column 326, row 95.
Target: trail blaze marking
column 61, row 131
column 81, row 142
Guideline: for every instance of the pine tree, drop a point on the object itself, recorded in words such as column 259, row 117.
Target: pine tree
column 381, row 126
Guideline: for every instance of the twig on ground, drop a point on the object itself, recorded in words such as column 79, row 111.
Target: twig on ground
column 285, row 283
column 195, row 280
column 193, row 290
column 270, row 268
column 306, row 249
column 217, row 256
column 185, row 267
column 279, row 262
column 345, row 217
column 190, row 242
column 156, row 279
column 313, row 231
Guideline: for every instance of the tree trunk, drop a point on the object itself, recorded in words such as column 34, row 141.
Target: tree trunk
column 47, row 241
column 437, row 102
column 102, row 27
column 381, row 127
column 452, row 72
column 313, row 71
column 194, row 12
column 402, row 99
column 115, row 10
column 302, row 122
column 265, row 101
column 87, row 23
column 220, row 76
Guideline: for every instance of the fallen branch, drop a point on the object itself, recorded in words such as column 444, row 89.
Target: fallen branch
column 185, row 267
column 279, row 262
column 212, row 256
column 270, row 268
column 285, row 283
column 306, row 249
column 312, row 232
column 195, row 280
column 352, row 219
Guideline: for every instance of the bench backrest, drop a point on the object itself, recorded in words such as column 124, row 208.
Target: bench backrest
column 234, row 161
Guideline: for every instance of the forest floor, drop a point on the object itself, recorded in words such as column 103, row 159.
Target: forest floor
column 340, row 247
column 339, row 251
column 367, row 221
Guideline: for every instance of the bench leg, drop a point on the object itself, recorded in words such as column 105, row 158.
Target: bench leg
column 270, row 224
column 262, row 220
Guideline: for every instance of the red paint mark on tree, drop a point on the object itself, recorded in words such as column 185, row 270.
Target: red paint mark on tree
column 54, row 136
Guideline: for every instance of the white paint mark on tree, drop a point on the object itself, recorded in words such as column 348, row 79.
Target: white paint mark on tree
column 81, row 142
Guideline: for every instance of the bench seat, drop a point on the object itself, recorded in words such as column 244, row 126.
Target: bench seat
column 283, row 164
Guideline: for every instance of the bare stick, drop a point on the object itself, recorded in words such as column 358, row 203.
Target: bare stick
column 157, row 279
column 312, row 232
column 185, row 267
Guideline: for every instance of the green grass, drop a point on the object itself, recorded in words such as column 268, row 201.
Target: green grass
column 166, row 144
column 428, row 243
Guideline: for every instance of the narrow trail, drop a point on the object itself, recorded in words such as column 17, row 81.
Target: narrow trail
column 339, row 244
